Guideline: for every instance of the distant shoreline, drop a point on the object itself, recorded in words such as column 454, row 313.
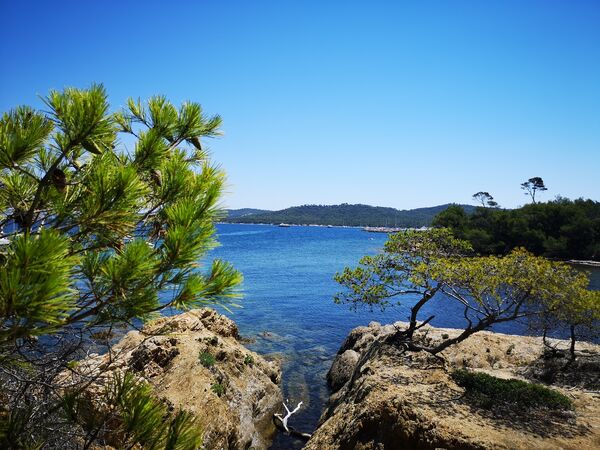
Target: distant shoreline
column 584, row 262
column 292, row 225
column 581, row 262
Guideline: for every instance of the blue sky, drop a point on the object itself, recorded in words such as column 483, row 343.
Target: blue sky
column 401, row 104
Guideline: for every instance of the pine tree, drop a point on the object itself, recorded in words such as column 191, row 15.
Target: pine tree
column 96, row 235
column 425, row 265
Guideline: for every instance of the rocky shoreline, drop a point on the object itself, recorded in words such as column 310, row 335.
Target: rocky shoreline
column 381, row 396
column 384, row 398
column 195, row 361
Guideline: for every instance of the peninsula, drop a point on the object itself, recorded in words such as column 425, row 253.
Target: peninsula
column 354, row 215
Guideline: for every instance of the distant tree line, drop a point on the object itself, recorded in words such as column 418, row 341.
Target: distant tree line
column 562, row 228
column 348, row 215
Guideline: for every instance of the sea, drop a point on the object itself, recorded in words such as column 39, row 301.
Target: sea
column 287, row 309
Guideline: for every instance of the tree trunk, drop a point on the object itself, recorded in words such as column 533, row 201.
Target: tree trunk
column 544, row 333
column 573, row 339
column 461, row 337
column 414, row 312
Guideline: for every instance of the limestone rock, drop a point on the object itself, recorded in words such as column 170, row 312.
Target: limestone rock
column 167, row 355
column 341, row 369
column 406, row 400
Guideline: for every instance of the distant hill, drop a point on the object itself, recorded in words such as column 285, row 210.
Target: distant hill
column 234, row 213
column 349, row 215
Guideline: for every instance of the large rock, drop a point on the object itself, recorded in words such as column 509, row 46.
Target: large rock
column 167, row 355
column 390, row 399
column 342, row 369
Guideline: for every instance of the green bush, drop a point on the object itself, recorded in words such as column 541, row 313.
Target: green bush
column 486, row 391
column 249, row 360
column 218, row 389
column 207, row 359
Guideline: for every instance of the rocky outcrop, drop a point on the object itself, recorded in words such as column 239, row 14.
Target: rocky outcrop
column 386, row 398
column 342, row 369
column 195, row 361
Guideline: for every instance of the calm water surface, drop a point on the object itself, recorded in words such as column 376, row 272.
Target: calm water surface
column 288, row 307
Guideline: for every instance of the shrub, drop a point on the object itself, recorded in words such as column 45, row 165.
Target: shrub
column 249, row 360
column 207, row 359
column 131, row 417
column 486, row 391
column 218, row 389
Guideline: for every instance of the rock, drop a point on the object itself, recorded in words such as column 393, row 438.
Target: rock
column 158, row 351
column 342, row 369
column 166, row 354
column 387, row 399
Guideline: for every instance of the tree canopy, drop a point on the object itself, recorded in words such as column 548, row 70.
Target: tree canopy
column 485, row 198
column 419, row 265
column 562, row 228
column 104, row 218
column 533, row 186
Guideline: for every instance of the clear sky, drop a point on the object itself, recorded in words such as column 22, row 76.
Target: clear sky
column 402, row 104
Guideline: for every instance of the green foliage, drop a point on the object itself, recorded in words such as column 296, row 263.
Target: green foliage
column 249, row 360
column 13, row 434
column 233, row 213
column 95, row 235
column 533, row 186
column 487, row 391
column 496, row 282
column 22, row 132
column 489, row 289
column 485, row 199
column 132, row 416
column 561, row 228
column 404, row 267
column 583, row 310
column 345, row 214
column 218, row 389
column 36, row 284
column 120, row 227
column 207, row 359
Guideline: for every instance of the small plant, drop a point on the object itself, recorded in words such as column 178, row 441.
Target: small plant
column 218, row 389
column 249, row 360
column 445, row 336
column 487, row 391
column 207, row 359
column 72, row 364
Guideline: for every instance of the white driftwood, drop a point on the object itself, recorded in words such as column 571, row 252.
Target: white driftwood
column 284, row 420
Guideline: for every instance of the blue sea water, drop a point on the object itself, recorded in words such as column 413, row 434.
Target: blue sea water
column 288, row 304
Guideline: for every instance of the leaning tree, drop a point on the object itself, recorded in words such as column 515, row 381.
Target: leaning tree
column 104, row 217
column 486, row 199
column 419, row 266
